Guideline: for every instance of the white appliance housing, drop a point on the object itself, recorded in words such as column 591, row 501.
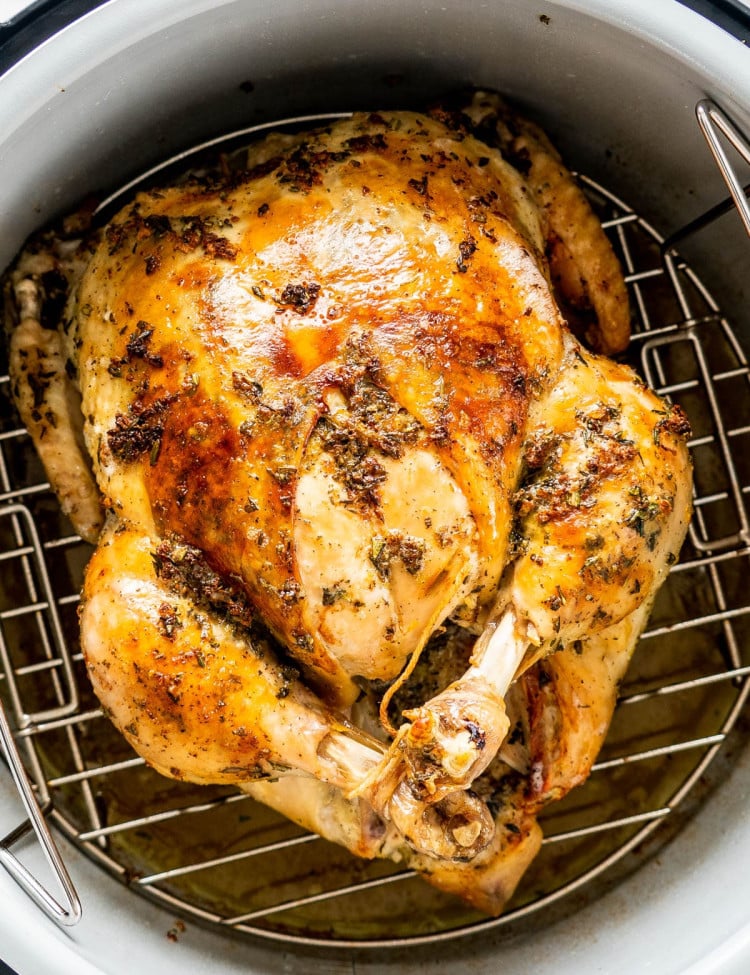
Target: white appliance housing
column 133, row 81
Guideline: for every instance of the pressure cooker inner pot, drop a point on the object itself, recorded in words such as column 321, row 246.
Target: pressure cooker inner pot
column 607, row 93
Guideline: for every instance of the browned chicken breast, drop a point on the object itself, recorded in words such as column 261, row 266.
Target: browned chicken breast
column 328, row 407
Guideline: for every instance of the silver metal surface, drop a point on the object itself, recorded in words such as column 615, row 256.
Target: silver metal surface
column 217, row 857
column 69, row 912
column 714, row 123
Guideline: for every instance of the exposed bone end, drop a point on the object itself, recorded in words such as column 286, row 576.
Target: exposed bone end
column 456, row 828
column 467, row 834
column 458, row 748
column 456, row 825
column 28, row 299
column 492, row 876
column 454, row 737
column 421, row 784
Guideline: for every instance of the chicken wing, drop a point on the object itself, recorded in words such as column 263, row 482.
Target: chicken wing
column 583, row 267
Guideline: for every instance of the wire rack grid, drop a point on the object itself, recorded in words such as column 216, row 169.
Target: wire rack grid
column 214, row 855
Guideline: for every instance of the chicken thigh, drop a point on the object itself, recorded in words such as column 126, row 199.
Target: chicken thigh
column 330, row 403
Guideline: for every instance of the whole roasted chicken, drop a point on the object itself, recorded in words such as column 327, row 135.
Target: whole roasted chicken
column 362, row 503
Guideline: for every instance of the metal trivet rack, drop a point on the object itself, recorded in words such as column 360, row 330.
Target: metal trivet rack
column 216, row 856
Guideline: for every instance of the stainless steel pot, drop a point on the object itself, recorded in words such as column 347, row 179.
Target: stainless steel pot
column 132, row 82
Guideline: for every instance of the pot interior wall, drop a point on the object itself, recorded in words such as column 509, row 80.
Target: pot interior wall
column 133, row 83
column 136, row 82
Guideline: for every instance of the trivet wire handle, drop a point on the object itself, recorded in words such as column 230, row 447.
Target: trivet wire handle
column 67, row 913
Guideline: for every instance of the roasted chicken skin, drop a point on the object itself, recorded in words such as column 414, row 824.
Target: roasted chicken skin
column 329, row 403
column 584, row 271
